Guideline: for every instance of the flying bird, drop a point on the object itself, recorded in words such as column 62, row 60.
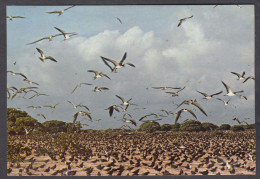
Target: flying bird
column 229, row 91
column 42, row 115
column 120, row 64
column 97, row 89
column 119, row 20
column 83, row 113
column 61, row 11
column 65, row 34
column 38, row 94
column 98, row 74
column 183, row 19
column 240, row 77
column 124, row 102
column 12, row 17
column 113, row 70
column 207, row 96
column 74, row 106
column 34, row 107
column 43, row 57
column 111, row 109
column 225, row 102
column 165, row 88
column 184, row 110
column 82, row 106
column 50, row 106
column 250, row 77
column 13, row 73
column 79, row 85
column 44, row 38
column 175, row 93
column 132, row 121
column 195, row 103
column 30, row 82
column 236, row 119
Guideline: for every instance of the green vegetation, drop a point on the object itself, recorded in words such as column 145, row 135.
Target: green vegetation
column 224, row 127
column 209, row 126
column 236, row 128
column 166, row 127
column 149, row 126
column 191, row 125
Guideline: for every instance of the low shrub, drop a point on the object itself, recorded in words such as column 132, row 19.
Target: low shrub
column 236, row 128
column 191, row 125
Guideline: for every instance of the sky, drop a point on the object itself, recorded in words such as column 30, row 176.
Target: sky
column 197, row 55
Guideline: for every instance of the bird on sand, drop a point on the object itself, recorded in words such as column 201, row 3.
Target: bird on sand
column 65, row 34
column 183, row 19
column 184, row 110
column 43, row 57
column 207, row 96
column 12, row 17
column 229, row 91
column 79, row 85
column 60, row 12
column 195, row 103
column 98, row 74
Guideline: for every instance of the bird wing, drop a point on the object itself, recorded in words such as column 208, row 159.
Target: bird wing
column 105, row 75
column 51, row 12
column 110, row 60
column 130, row 64
column 51, row 58
column 111, row 109
column 243, row 74
column 38, row 40
column 217, row 93
column 182, row 103
column 181, row 89
column 104, row 88
column 190, row 111
column 93, row 71
column 75, row 117
column 133, row 122
column 238, row 75
column 63, row 33
column 157, row 87
column 103, row 58
column 40, row 51
column 143, row 117
column 68, row 8
column 75, row 88
column 85, row 84
column 178, row 115
column 86, row 113
column 204, row 94
column 180, row 22
column 220, row 100
column 195, row 103
column 123, row 58
column 21, row 75
column 122, row 99
column 18, row 17
column 80, row 105
column 72, row 104
column 227, row 87
column 119, row 20
column 250, row 77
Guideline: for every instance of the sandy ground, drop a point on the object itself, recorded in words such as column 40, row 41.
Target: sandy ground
column 167, row 153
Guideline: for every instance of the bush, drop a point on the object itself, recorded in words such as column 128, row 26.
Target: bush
column 176, row 127
column 250, row 126
column 166, row 127
column 149, row 126
column 55, row 126
column 224, row 127
column 236, row 128
column 191, row 125
column 209, row 126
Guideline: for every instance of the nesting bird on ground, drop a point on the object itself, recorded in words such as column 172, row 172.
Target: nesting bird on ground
column 209, row 96
column 183, row 19
column 65, row 34
column 120, row 64
column 12, row 17
column 195, row 103
column 175, row 93
column 229, row 91
column 184, row 110
column 98, row 74
column 79, row 85
column 43, row 57
column 61, row 11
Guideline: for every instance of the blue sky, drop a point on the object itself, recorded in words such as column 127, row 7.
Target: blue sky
column 198, row 54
